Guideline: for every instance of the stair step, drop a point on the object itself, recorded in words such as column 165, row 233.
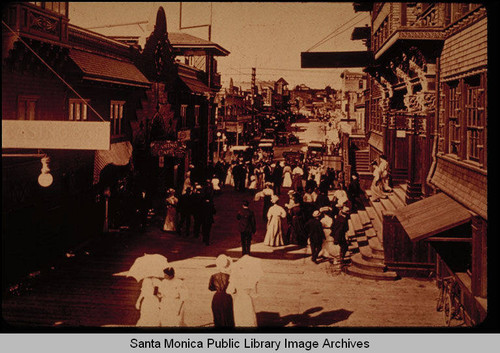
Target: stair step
column 350, row 230
column 364, row 218
column 358, row 261
column 356, row 223
column 376, row 246
column 378, row 207
column 388, row 205
column 396, row 201
column 371, row 212
column 371, row 256
column 353, row 248
column 362, row 240
column 371, row 232
column 382, row 276
column 400, row 193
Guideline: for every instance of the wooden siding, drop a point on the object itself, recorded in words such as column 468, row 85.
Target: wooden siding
column 467, row 185
column 466, row 50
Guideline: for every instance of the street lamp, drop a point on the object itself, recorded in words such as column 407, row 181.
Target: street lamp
column 218, row 145
column 45, row 179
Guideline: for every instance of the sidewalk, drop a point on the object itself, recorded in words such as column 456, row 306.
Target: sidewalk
column 294, row 291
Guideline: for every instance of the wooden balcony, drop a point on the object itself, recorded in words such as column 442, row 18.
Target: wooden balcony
column 36, row 23
column 394, row 22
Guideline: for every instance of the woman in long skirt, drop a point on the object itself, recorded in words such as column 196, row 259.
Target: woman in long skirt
column 287, row 177
column 243, row 286
column 274, row 232
column 148, row 303
column 229, row 176
column 377, row 184
column 328, row 248
column 171, row 218
column 173, row 294
column 266, row 194
column 222, row 302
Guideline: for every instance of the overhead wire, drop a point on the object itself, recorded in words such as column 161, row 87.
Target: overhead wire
column 53, row 71
column 335, row 34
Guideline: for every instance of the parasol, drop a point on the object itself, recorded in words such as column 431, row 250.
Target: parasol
column 247, row 271
column 149, row 265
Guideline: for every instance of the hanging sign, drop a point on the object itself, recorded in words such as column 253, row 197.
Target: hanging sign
column 71, row 135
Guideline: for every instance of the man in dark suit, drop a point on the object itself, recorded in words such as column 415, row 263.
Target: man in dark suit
column 196, row 209
column 207, row 218
column 184, row 207
column 339, row 228
column 246, row 226
column 316, row 235
column 277, row 178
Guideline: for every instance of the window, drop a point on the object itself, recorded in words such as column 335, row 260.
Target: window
column 360, row 84
column 196, row 115
column 475, row 118
column 78, row 109
column 465, row 118
column 26, row 107
column 183, row 114
column 57, row 7
column 453, row 113
column 116, row 117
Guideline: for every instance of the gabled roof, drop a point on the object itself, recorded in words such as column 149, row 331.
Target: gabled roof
column 186, row 41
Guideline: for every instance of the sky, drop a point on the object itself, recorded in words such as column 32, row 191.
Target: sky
column 269, row 36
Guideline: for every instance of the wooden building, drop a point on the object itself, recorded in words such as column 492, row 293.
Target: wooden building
column 426, row 111
column 69, row 77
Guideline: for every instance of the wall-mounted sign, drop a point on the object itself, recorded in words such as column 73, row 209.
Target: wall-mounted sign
column 71, row 135
column 401, row 133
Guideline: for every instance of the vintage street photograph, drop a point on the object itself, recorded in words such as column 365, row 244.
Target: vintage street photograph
column 256, row 165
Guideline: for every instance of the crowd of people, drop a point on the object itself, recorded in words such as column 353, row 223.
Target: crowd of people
column 315, row 213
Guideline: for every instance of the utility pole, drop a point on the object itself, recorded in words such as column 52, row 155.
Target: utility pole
column 253, row 95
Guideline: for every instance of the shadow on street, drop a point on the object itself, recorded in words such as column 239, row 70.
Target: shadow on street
column 307, row 318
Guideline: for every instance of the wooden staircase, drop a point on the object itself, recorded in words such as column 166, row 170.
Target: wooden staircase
column 365, row 236
column 362, row 161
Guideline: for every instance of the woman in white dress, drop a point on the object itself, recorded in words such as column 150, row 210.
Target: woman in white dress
column 328, row 249
column 377, row 184
column 245, row 274
column 187, row 183
column 173, row 295
column 229, row 177
column 274, row 232
column 287, row 177
column 148, row 303
column 171, row 218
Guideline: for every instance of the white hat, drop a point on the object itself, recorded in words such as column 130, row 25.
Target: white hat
column 274, row 198
column 223, row 262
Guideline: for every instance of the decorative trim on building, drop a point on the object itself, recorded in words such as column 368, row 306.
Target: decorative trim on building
column 473, row 17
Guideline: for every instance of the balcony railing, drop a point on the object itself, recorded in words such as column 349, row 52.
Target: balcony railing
column 36, row 22
column 396, row 21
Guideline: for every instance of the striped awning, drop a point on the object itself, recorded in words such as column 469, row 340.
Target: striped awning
column 118, row 154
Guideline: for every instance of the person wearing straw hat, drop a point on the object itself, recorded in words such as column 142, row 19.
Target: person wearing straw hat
column 170, row 223
column 315, row 234
column 222, row 302
column 274, row 232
